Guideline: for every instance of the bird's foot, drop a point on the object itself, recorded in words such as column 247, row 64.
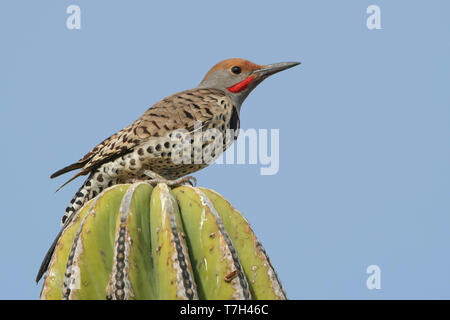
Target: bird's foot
column 156, row 178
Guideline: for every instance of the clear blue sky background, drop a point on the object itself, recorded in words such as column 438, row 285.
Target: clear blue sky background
column 364, row 127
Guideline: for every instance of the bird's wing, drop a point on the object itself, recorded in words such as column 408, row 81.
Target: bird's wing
column 179, row 111
column 83, row 161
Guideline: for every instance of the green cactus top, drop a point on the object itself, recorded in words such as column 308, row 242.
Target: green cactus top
column 138, row 242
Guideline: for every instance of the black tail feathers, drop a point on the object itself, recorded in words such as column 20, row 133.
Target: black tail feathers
column 45, row 263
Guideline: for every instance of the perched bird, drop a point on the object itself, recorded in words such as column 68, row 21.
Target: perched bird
column 145, row 150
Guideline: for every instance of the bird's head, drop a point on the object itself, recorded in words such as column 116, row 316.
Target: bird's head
column 238, row 77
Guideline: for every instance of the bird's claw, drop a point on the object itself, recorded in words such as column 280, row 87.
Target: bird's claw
column 186, row 180
column 155, row 179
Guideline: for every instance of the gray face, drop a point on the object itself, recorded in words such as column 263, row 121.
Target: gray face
column 226, row 78
column 223, row 78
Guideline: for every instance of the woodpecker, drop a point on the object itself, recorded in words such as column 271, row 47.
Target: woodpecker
column 145, row 150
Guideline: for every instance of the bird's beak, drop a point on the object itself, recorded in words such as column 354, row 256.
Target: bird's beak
column 271, row 69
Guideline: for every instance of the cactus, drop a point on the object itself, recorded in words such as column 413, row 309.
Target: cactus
column 138, row 242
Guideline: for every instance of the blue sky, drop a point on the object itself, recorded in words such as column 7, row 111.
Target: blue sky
column 364, row 173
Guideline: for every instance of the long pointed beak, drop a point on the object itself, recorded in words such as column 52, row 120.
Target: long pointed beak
column 271, row 69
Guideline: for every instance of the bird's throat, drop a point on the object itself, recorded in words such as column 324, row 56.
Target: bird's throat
column 240, row 86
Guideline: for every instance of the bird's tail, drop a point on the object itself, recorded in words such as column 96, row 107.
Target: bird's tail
column 48, row 256
column 88, row 190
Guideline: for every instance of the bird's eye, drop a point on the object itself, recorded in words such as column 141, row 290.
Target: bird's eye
column 236, row 70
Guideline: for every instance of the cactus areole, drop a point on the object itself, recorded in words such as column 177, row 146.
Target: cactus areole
column 138, row 242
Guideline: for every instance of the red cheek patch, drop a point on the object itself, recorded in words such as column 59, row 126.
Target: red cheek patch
column 238, row 87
